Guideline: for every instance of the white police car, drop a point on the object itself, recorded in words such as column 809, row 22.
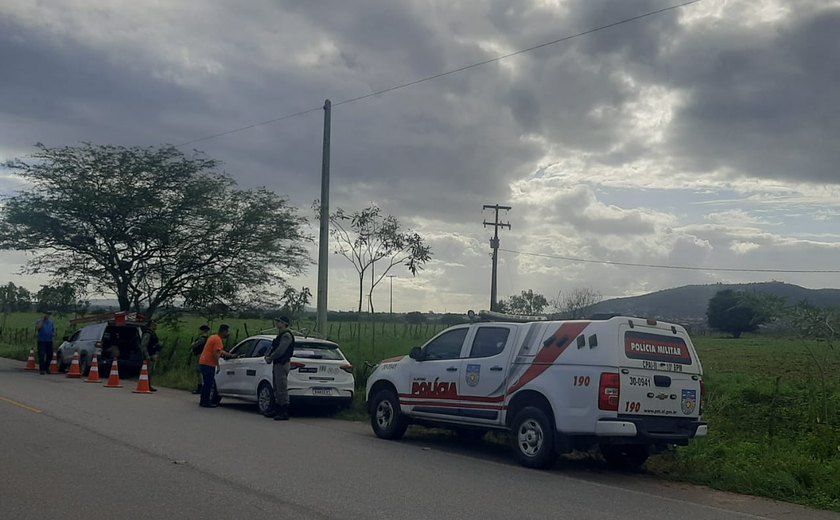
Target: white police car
column 320, row 374
column 629, row 386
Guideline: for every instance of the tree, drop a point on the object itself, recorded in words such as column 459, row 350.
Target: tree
column 528, row 303
column 367, row 237
column 61, row 299
column 577, row 304
column 734, row 313
column 151, row 225
column 14, row 299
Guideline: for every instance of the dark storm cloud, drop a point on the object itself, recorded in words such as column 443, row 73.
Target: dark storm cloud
column 761, row 100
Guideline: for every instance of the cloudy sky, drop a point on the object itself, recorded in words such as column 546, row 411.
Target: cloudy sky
column 707, row 136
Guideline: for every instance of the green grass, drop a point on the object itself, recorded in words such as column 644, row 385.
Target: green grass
column 774, row 425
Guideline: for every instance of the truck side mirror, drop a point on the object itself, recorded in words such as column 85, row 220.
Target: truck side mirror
column 416, row 354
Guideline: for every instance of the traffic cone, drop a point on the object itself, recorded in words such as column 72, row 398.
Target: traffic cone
column 114, row 377
column 54, row 364
column 30, row 363
column 93, row 375
column 74, row 372
column 143, row 386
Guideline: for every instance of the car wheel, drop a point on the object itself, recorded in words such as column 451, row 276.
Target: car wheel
column 533, row 438
column 265, row 398
column 625, row 456
column 215, row 398
column 386, row 419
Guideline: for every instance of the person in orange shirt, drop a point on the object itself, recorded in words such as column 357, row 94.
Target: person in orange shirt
column 209, row 360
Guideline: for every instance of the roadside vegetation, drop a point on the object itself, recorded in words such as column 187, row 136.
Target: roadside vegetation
column 773, row 402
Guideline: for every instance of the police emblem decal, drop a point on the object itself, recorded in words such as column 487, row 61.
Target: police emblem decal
column 473, row 374
column 689, row 401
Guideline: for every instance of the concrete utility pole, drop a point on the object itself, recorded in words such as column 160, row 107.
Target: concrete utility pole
column 324, row 235
column 391, row 310
column 494, row 244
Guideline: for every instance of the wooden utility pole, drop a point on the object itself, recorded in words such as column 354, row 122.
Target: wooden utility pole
column 324, row 235
column 494, row 245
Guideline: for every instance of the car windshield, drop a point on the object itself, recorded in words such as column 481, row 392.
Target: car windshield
column 317, row 351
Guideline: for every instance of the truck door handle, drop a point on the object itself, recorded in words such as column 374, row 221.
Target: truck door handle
column 496, row 368
column 451, row 369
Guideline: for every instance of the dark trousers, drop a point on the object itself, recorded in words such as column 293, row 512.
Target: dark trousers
column 208, row 376
column 45, row 352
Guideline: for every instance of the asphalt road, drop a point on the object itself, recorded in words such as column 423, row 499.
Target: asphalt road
column 76, row 450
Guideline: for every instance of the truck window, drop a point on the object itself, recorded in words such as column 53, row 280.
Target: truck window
column 489, row 341
column 446, row 346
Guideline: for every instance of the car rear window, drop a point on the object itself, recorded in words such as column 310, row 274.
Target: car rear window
column 317, row 351
column 656, row 347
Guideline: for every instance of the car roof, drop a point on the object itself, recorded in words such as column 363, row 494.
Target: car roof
column 298, row 339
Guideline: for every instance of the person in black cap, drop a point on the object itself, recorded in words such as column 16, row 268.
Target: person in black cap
column 197, row 348
column 282, row 349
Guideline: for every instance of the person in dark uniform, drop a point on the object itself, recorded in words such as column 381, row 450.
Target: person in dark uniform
column 150, row 347
column 197, row 348
column 282, row 349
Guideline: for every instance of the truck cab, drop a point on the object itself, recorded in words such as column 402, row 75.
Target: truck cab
column 626, row 385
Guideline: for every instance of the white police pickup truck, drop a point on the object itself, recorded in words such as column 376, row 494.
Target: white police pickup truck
column 630, row 386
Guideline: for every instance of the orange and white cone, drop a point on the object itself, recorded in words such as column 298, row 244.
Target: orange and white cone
column 75, row 371
column 93, row 375
column 54, row 364
column 114, row 377
column 30, row 363
column 143, row 386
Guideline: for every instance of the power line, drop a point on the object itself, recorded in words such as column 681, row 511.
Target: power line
column 681, row 267
column 448, row 73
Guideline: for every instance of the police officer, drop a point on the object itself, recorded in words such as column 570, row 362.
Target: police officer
column 197, row 348
column 150, row 347
column 282, row 349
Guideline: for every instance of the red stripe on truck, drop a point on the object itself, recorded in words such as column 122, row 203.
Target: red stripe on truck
column 552, row 348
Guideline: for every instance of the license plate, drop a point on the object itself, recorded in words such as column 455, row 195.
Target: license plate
column 322, row 391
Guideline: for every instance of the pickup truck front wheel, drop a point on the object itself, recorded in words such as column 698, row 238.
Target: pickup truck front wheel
column 533, row 438
column 386, row 419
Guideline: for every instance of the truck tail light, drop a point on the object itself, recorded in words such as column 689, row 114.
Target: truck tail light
column 294, row 365
column 608, row 391
column 347, row 368
column 702, row 396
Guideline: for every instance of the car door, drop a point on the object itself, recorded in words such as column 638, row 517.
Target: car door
column 230, row 378
column 254, row 366
column 483, row 373
column 435, row 376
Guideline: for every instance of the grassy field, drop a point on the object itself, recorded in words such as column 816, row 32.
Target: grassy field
column 773, row 404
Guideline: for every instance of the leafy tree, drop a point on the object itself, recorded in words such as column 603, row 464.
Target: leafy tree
column 528, row 303
column 734, row 313
column 151, row 225
column 14, row 299
column 415, row 318
column 367, row 237
column 577, row 304
column 61, row 299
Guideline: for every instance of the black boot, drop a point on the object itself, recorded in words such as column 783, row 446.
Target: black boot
column 282, row 413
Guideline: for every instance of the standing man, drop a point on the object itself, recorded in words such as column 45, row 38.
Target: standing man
column 209, row 360
column 282, row 349
column 197, row 348
column 150, row 347
column 46, row 332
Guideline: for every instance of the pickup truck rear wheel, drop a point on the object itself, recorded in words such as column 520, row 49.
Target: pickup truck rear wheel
column 624, row 456
column 533, row 438
column 386, row 418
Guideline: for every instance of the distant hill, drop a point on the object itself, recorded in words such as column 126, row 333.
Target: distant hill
column 689, row 303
